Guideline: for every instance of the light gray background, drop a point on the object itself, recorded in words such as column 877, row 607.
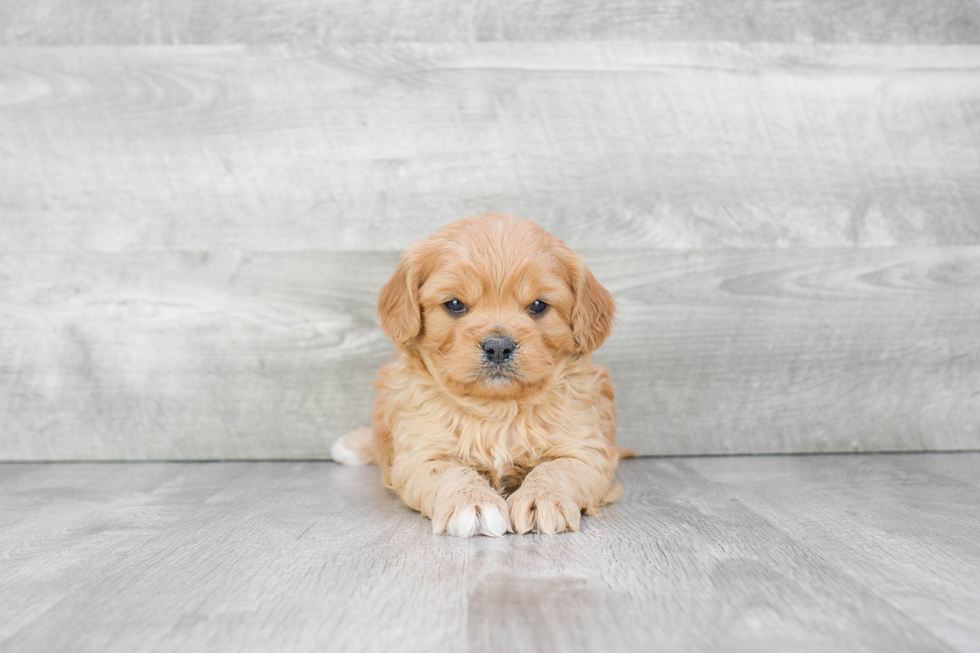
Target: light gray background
column 199, row 202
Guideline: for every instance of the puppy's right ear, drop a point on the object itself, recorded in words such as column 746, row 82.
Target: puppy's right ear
column 398, row 304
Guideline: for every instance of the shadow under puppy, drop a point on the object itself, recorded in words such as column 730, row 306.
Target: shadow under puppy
column 493, row 393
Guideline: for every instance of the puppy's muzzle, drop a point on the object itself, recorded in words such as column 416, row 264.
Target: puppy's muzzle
column 498, row 349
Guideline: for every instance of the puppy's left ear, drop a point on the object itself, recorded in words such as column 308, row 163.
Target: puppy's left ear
column 594, row 310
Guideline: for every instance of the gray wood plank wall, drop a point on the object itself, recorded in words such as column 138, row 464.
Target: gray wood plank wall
column 176, row 22
column 198, row 204
column 372, row 146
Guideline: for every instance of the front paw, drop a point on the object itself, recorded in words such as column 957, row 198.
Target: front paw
column 471, row 512
column 543, row 511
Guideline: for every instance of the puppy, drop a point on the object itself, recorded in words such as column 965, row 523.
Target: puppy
column 492, row 417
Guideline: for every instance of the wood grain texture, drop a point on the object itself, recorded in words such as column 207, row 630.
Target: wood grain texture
column 284, row 558
column 61, row 528
column 909, row 535
column 370, row 146
column 788, row 351
column 87, row 22
column 187, row 355
column 173, row 355
column 842, row 553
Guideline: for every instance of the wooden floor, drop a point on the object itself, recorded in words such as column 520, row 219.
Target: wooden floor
column 792, row 553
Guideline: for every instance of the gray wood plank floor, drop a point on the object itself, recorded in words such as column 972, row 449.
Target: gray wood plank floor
column 804, row 553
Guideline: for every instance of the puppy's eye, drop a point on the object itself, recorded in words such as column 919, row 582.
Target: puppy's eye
column 455, row 306
column 537, row 307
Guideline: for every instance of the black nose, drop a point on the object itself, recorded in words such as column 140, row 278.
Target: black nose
column 497, row 349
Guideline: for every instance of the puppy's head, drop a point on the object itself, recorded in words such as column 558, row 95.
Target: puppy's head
column 493, row 304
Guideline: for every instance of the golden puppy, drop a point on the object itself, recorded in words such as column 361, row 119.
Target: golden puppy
column 493, row 393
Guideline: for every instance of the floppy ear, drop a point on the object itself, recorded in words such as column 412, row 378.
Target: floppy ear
column 398, row 303
column 594, row 310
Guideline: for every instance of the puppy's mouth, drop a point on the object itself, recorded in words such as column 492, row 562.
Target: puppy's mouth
column 492, row 373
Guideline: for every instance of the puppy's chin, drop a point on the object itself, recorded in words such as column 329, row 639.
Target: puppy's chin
column 503, row 384
column 498, row 386
column 492, row 385
column 500, row 379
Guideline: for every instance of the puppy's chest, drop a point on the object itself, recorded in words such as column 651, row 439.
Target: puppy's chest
column 503, row 452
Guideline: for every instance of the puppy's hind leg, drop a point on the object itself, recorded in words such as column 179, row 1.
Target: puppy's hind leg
column 355, row 448
column 606, row 405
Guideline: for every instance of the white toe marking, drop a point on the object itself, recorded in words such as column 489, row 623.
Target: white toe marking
column 464, row 523
column 342, row 454
column 492, row 522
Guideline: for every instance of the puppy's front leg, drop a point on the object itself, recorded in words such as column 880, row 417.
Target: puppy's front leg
column 554, row 494
column 455, row 497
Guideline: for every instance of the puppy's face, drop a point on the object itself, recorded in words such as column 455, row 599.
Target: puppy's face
column 492, row 305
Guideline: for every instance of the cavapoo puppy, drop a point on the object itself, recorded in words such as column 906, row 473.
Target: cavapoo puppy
column 493, row 394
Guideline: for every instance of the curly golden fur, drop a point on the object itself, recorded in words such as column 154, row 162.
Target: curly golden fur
column 484, row 447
